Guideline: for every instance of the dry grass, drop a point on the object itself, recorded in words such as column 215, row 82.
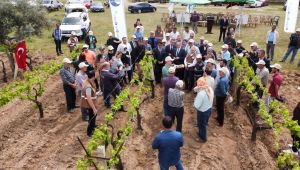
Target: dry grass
column 101, row 24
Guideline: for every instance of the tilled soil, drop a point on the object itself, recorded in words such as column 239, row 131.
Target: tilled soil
column 27, row 142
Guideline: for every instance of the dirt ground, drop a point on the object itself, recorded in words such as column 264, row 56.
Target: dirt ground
column 26, row 142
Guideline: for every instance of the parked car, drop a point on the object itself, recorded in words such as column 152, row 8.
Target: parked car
column 74, row 2
column 259, row 3
column 52, row 4
column 75, row 22
column 97, row 7
column 75, row 8
column 141, row 7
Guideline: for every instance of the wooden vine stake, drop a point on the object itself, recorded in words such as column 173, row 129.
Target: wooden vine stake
column 34, row 99
column 4, row 71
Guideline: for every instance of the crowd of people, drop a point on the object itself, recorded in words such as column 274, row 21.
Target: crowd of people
column 182, row 65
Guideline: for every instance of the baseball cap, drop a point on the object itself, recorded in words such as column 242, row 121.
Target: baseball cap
column 276, row 65
column 298, row 30
column 224, row 46
column 82, row 64
column 223, row 69
column 167, row 34
column 133, row 36
column 66, row 60
column 210, row 60
column 110, row 47
column 239, row 41
column 210, row 44
column 168, row 58
column 261, row 62
column 172, row 70
column 91, row 33
column 253, row 44
column 110, row 34
column 85, row 46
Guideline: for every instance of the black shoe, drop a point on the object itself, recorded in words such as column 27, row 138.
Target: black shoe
column 58, row 54
column 282, row 61
column 77, row 106
column 61, row 53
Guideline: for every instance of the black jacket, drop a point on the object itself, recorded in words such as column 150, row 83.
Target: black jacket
column 159, row 56
column 169, row 51
column 181, row 54
column 137, row 53
column 224, row 23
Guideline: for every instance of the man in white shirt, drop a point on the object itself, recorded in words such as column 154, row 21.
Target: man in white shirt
column 191, row 44
column 121, row 45
column 271, row 40
column 174, row 33
column 186, row 33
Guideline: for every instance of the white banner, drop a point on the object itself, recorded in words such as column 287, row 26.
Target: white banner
column 118, row 18
column 291, row 15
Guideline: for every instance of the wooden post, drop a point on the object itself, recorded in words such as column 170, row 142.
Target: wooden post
column 139, row 120
column 4, row 71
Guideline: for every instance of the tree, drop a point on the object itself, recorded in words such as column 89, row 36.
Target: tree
column 20, row 19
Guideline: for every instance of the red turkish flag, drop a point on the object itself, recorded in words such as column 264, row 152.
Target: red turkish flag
column 20, row 54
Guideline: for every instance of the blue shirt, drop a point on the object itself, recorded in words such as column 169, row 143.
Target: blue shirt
column 226, row 56
column 202, row 101
column 271, row 36
column 168, row 143
column 57, row 34
column 138, row 34
column 222, row 86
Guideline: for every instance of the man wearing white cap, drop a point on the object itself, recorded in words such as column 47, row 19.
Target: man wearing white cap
column 191, row 43
column 113, row 41
column 175, row 102
column 168, row 82
column 294, row 45
column 225, row 53
column 168, row 64
column 90, row 56
column 138, row 33
column 262, row 72
column 276, row 82
column 239, row 47
column 253, row 55
column 91, row 41
column 72, row 41
column 79, row 78
column 69, row 84
column 210, row 64
column 222, row 88
column 167, row 39
column 186, row 32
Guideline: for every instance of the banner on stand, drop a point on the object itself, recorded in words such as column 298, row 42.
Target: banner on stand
column 118, row 18
column 291, row 15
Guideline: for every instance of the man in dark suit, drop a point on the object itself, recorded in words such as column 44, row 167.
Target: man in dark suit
column 110, row 83
column 170, row 48
column 224, row 23
column 159, row 55
column 133, row 42
column 180, row 55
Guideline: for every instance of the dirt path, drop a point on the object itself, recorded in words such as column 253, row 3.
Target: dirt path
column 29, row 143
column 228, row 147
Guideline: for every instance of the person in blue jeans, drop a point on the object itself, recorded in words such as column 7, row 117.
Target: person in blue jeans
column 203, row 104
column 294, row 45
column 168, row 142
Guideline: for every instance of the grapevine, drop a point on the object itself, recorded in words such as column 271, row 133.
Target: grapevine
column 105, row 135
column 247, row 78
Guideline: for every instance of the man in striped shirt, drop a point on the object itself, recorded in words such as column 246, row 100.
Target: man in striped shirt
column 175, row 102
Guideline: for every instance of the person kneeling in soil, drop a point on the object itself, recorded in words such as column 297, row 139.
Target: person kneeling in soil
column 88, row 101
column 175, row 102
column 203, row 103
column 168, row 143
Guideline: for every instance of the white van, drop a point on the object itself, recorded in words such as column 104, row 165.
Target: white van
column 75, row 8
column 52, row 4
